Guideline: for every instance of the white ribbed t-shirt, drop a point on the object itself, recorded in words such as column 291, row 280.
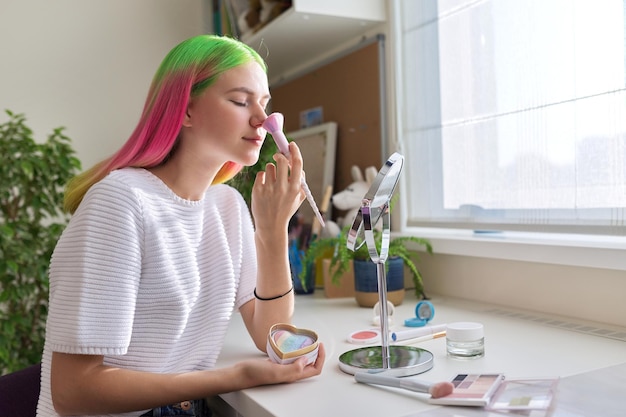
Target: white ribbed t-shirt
column 148, row 279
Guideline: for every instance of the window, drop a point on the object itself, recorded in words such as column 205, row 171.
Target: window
column 512, row 114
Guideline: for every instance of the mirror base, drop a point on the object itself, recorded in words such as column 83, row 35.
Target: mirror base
column 403, row 360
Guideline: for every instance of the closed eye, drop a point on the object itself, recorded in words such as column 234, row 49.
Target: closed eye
column 239, row 103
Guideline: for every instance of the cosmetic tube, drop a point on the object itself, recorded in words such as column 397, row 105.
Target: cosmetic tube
column 417, row 332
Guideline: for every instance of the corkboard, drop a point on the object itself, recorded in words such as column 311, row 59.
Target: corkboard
column 348, row 90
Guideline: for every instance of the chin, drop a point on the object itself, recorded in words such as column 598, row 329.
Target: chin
column 250, row 159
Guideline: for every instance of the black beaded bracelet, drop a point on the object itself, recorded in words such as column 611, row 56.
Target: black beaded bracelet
column 272, row 298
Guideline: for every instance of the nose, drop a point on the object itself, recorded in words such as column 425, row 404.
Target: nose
column 258, row 117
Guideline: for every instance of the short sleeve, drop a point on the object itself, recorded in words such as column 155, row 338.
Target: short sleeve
column 94, row 274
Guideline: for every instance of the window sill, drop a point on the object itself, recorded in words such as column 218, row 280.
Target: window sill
column 607, row 252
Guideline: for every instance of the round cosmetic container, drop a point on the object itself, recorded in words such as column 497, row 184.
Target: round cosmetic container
column 465, row 340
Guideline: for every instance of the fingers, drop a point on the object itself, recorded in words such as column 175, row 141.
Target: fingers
column 316, row 367
column 296, row 161
column 277, row 192
column 321, row 357
column 270, row 172
column 290, row 167
column 266, row 372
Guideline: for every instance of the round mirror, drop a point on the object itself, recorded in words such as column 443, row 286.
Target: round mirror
column 375, row 205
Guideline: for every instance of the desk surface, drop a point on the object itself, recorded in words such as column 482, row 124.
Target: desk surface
column 515, row 345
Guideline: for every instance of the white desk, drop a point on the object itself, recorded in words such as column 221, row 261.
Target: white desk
column 516, row 346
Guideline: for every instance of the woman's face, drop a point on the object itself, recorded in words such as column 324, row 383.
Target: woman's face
column 224, row 122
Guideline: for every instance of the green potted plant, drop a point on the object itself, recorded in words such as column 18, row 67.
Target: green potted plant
column 33, row 175
column 400, row 250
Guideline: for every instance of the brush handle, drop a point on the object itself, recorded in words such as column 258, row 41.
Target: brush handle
column 390, row 381
column 274, row 125
column 311, row 201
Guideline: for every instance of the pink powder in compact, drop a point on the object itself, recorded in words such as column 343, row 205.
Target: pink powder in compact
column 365, row 334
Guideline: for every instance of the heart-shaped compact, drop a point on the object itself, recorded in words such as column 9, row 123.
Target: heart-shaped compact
column 286, row 343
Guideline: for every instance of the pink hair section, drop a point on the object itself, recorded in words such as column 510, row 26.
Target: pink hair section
column 151, row 141
column 159, row 125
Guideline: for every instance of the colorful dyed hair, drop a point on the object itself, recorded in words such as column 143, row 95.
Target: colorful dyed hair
column 186, row 72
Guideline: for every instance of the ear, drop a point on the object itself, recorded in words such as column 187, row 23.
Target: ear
column 187, row 118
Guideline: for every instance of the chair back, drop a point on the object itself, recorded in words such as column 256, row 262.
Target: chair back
column 19, row 392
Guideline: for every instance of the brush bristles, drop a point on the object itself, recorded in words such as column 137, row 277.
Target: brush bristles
column 441, row 389
column 274, row 122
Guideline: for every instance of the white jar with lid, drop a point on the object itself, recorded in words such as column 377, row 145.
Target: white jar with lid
column 465, row 340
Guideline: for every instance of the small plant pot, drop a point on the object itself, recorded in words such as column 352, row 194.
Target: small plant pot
column 308, row 287
column 366, row 282
column 343, row 288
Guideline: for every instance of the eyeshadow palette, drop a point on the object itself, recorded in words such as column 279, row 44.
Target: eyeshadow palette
column 471, row 389
column 286, row 343
column 493, row 392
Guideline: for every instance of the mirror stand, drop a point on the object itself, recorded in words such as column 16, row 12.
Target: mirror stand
column 395, row 360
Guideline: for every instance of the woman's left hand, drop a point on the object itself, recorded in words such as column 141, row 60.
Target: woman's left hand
column 277, row 192
column 276, row 196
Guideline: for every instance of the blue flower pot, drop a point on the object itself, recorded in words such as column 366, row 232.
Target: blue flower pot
column 295, row 265
column 309, row 285
column 366, row 281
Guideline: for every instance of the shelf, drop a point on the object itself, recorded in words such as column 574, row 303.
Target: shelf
column 309, row 30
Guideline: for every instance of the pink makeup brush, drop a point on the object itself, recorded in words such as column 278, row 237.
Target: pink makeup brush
column 274, row 125
column 436, row 390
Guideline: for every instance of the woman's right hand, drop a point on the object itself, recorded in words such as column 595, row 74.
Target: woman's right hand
column 266, row 372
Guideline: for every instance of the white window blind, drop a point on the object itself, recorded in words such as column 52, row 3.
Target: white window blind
column 512, row 114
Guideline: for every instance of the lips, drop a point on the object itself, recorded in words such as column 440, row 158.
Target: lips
column 255, row 138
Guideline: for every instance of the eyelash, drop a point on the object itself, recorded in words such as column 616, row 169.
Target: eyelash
column 244, row 104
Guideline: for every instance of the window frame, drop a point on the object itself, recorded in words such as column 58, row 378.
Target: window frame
column 551, row 244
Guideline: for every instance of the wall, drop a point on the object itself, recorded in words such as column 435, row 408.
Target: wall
column 593, row 294
column 350, row 98
column 87, row 65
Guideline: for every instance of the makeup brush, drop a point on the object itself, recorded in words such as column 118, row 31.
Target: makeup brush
column 435, row 389
column 274, row 125
column 315, row 229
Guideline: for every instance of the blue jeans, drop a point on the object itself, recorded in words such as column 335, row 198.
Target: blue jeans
column 197, row 408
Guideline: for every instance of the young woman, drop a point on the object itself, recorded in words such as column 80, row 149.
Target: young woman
column 158, row 253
